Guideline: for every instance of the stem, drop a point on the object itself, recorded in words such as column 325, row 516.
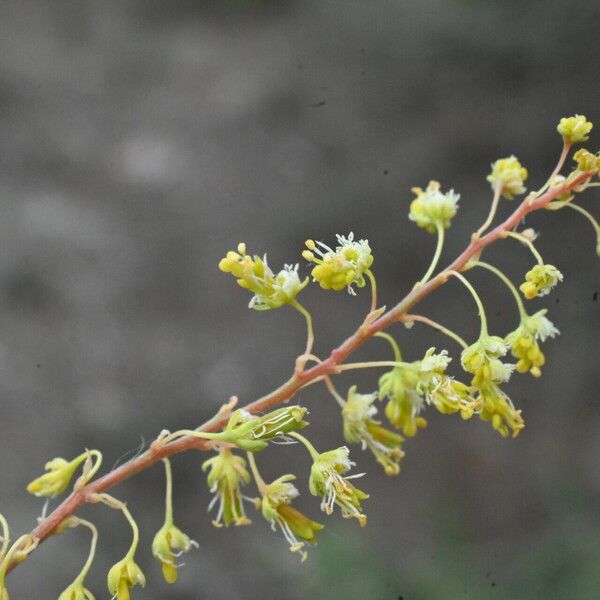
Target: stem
column 313, row 452
column 557, row 169
column 90, row 559
column 451, row 334
column 373, row 364
column 118, row 505
column 310, row 336
column 493, row 209
column 260, row 483
column 509, row 284
column 334, row 392
column 373, row 289
column 436, row 255
column 168, row 492
column 584, row 212
column 528, row 243
column 484, row 330
column 287, row 390
column 393, row 344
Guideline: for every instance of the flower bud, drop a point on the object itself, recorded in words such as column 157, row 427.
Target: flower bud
column 508, row 174
column 540, row 280
column 340, row 268
column 168, row 544
column 124, row 575
column 432, row 209
column 574, row 129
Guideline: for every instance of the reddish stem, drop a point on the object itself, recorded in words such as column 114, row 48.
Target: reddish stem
column 327, row 367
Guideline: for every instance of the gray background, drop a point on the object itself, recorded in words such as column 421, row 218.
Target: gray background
column 139, row 141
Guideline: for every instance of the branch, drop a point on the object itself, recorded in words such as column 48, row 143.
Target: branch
column 302, row 378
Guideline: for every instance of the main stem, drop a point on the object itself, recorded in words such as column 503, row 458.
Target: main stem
column 326, row 367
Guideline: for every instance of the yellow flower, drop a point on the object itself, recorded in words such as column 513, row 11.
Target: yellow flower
column 227, row 474
column 76, row 591
column 361, row 428
column 508, row 174
column 340, row 268
column 327, row 480
column 540, row 280
column 586, row 161
column 254, row 274
column 523, row 342
column 60, row 472
column 496, row 406
column 574, row 129
column 124, row 575
column 431, row 208
column 404, row 402
column 482, row 359
column 293, row 524
column 440, row 390
column 169, row 543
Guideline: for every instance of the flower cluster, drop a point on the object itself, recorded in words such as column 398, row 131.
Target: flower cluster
column 508, row 176
column 482, row 360
column 343, row 267
column 254, row 274
column 586, row 161
column 431, row 208
column 540, row 280
column 405, row 404
column 523, row 342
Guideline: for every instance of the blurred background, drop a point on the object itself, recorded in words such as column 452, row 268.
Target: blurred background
column 141, row 140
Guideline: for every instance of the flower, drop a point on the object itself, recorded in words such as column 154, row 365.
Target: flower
column 342, row 267
column 431, row 208
column 326, row 480
column 446, row 394
column 574, row 129
column 496, row 406
column 508, row 174
column 482, row 359
column 404, row 402
column 540, row 280
column 59, row 475
column 227, row 474
column 169, row 543
column 76, row 591
column 293, row 524
column 523, row 342
column 586, row 161
column 361, row 428
column 124, row 575
column 254, row 274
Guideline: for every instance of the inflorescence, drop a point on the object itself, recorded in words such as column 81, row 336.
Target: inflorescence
column 406, row 388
